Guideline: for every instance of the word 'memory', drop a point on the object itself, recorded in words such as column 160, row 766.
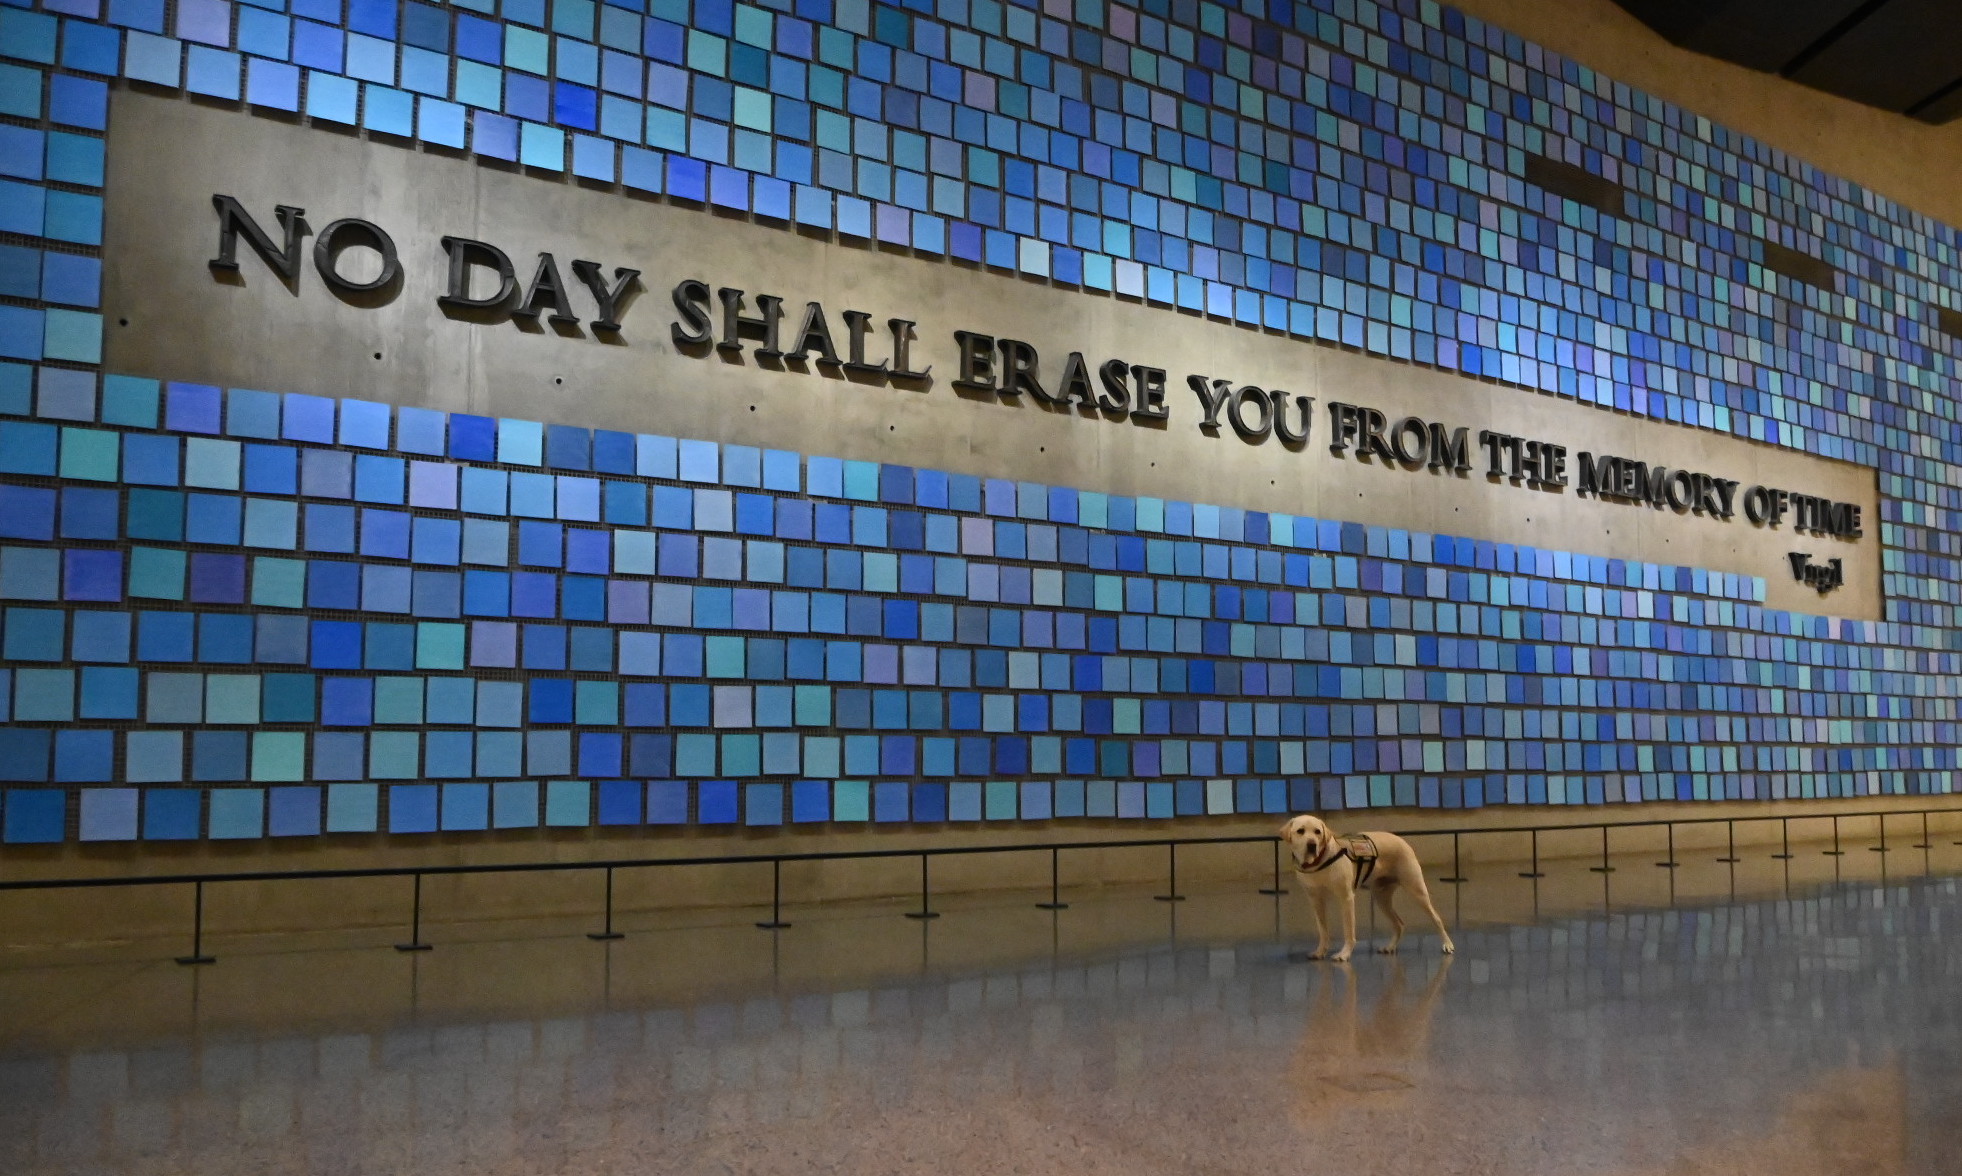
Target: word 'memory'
column 1608, row 476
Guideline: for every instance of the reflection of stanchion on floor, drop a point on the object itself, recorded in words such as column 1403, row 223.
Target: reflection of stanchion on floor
column 415, row 986
column 776, row 961
column 197, row 999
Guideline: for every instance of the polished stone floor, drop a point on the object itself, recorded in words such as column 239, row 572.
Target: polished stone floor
column 1771, row 1017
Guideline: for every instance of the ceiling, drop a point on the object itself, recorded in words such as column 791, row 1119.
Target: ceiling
column 1899, row 55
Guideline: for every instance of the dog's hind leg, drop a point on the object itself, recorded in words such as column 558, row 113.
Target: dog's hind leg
column 1423, row 895
column 1383, row 895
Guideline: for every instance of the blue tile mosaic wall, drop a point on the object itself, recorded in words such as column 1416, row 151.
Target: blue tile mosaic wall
column 240, row 614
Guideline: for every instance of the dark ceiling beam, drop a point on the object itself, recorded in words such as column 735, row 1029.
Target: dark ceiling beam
column 1899, row 55
column 1825, row 40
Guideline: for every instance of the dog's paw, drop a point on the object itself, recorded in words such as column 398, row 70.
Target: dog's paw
column 1450, row 948
column 1340, row 957
column 1387, row 949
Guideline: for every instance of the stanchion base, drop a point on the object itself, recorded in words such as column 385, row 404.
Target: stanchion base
column 1879, row 848
column 1729, row 860
column 1921, row 845
column 1600, row 869
column 1668, row 865
column 922, row 914
column 771, row 925
column 1276, row 893
column 1783, row 857
column 1531, row 874
column 1052, row 906
column 414, row 946
column 197, row 959
column 1455, row 880
column 1833, row 852
column 602, row 936
column 1168, row 898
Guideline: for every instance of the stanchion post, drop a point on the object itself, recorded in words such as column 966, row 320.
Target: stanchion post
column 197, row 955
column 1535, row 871
column 1277, row 890
column 1785, row 837
column 1604, row 867
column 1882, row 847
column 1172, row 894
column 1457, row 873
column 415, row 942
column 926, row 910
column 775, row 922
column 1924, row 843
column 1671, row 863
column 1835, row 851
column 607, row 932
column 1055, row 902
column 1730, row 840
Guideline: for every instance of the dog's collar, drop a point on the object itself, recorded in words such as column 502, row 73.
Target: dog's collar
column 1365, row 862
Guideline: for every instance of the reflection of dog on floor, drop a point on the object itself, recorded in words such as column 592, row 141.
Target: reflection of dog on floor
column 1347, row 1063
column 1335, row 866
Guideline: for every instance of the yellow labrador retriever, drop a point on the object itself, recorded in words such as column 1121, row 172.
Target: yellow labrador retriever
column 1330, row 865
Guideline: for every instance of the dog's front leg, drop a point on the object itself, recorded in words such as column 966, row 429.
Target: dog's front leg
column 1321, row 923
column 1348, row 901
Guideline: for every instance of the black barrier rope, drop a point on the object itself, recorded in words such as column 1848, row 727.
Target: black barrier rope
column 415, row 941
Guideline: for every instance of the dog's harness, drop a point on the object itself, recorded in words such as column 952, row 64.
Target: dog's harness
column 1357, row 847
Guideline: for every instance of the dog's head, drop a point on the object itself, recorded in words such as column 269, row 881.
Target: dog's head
column 1306, row 837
